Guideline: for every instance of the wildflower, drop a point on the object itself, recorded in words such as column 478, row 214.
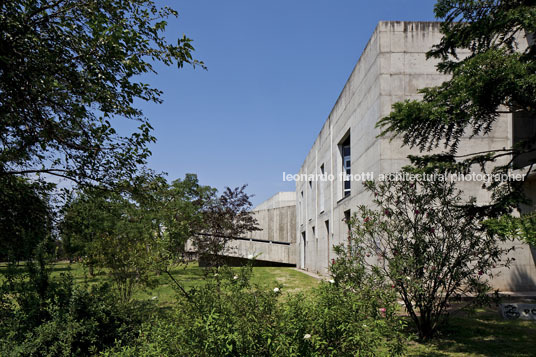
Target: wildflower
column 416, row 211
column 366, row 219
column 235, row 277
column 306, row 336
column 276, row 290
column 154, row 298
column 331, row 281
column 408, row 278
column 480, row 272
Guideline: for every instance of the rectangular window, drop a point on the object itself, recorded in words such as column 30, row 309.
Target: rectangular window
column 346, row 166
column 303, row 250
column 310, row 200
column 347, row 216
column 327, row 238
column 321, row 193
column 301, row 207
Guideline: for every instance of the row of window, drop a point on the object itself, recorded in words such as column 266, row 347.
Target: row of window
column 345, row 152
column 304, row 242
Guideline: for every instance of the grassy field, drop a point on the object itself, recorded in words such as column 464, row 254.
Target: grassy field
column 191, row 275
column 483, row 334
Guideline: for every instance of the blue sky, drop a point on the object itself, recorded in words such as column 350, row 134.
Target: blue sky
column 275, row 69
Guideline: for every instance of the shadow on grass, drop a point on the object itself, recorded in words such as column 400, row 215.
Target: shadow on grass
column 484, row 333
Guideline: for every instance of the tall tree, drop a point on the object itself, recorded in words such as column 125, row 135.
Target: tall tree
column 68, row 70
column 136, row 232
column 26, row 219
column 498, row 74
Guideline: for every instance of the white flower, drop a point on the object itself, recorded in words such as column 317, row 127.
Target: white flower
column 306, row 336
column 364, row 326
column 154, row 298
column 276, row 290
column 407, row 277
column 216, row 274
column 235, row 277
column 331, row 281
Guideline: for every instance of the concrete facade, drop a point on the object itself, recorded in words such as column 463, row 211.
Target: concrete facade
column 392, row 68
column 276, row 242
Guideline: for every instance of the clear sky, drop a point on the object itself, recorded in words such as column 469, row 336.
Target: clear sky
column 275, row 70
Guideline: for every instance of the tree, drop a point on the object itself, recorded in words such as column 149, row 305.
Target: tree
column 68, row 69
column 225, row 218
column 26, row 220
column 426, row 240
column 110, row 232
column 498, row 75
column 176, row 210
column 137, row 232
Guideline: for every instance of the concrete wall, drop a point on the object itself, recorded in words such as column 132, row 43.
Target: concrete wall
column 277, row 239
column 392, row 68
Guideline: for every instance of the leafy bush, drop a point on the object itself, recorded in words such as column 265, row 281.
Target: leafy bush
column 229, row 317
column 355, row 313
column 66, row 320
column 429, row 242
column 338, row 321
column 224, row 317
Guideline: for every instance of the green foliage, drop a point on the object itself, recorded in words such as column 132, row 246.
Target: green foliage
column 134, row 233
column 26, row 218
column 227, row 316
column 523, row 227
column 342, row 319
column 425, row 239
column 65, row 320
column 224, row 317
column 67, row 70
column 107, row 229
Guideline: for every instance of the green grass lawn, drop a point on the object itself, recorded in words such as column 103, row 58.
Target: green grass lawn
column 191, row 275
column 484, row 334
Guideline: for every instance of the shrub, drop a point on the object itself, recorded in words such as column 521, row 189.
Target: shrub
column 429, row 242
column 339, row 321
column 228, row 316
column 67, row 320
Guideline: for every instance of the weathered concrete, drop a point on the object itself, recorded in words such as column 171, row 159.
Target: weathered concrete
column 276, row 242
column 392, row 68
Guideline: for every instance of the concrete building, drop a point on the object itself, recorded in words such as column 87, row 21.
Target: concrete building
column 392, row 68
column 276, row 242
